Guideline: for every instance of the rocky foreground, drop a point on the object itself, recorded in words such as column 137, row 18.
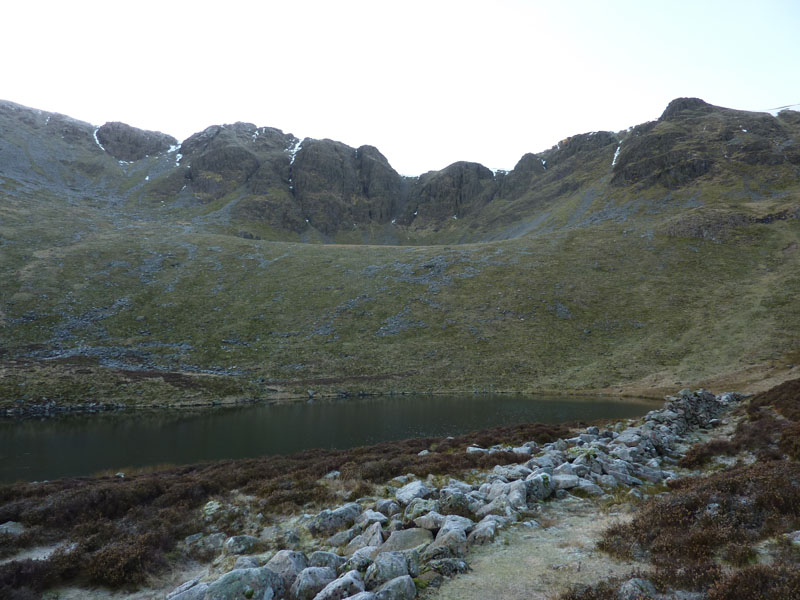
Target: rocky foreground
column 420, row 531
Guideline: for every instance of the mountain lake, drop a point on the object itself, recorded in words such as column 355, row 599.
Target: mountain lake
column 79, row 445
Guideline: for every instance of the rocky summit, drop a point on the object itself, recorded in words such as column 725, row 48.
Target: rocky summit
column 244, row 262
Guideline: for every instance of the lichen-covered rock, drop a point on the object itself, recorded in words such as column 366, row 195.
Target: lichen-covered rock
column 432, row 521
column 328, row 521
column 452, row 543
column 407, row 539
column 288, row 564
column 311, row 581
column 400, row 588
column 418, row 507
column 325, row 559
column 345, row 586
column 388, row 507
column 247, row 583
column 373, row 536
column 387, row 565
column 410, row 491
column 240, row 544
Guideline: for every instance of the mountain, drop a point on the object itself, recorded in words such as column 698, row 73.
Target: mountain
column 247, row 262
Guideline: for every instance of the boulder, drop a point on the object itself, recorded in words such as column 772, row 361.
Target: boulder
column 325, row 559
column 329, row 522
column 499, row 506
column 400, row 588
column 539, row 486
column 373, row 536
column 240, row 544
column 247, row 583
column 191, row 590
column 636, row 589
column 246, row 562
column 454, row 501
column 565, row 482
column 432, row 521
column 517, row 495
column 418, row 507
column 310, row 581
column 407, row 539
column 345, row 586
column 452, row 543
column 288, row 564
column 387, row 566
column 449, row 567
column 388, row 507
column 410, row 491
column 361, row 559
column 483, row 533
column 455, row 522
column 369, row 516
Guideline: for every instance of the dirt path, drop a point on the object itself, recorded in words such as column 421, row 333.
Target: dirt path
column 526, row 563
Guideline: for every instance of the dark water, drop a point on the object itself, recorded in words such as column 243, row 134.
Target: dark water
column 82, row 445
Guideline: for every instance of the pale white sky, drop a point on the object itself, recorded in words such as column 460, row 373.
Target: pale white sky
column 428, row 82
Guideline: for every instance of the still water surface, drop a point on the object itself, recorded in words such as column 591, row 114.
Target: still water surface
column 82, row 445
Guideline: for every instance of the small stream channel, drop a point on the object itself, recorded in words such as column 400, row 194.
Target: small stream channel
column 84, row 445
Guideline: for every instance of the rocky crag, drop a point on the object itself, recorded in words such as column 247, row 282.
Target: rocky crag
column 421, row 531
column 264, row 181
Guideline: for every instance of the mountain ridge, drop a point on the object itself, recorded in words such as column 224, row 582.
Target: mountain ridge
column 322, row 190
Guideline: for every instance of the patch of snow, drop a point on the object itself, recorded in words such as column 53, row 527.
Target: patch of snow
column 745, row 130
column 47, row 120
column 415, row 212
column 307, row 221
column 96, row 141
column 178, row 158
column 544, row 164
column 147, row 178
column 294, row 150
column 394, row 221
column 616, row 155
column 173, row 148
column 455, row 217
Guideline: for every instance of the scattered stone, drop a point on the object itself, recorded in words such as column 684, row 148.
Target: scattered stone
column 453, row 543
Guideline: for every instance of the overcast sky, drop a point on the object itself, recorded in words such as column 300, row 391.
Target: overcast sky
column 427, row 82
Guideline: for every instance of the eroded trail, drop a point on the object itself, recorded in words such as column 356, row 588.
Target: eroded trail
column 538, row 563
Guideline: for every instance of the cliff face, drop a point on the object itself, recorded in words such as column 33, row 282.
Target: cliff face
column 260, row 179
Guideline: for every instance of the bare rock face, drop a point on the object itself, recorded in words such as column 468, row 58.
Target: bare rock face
column 124, row 142
column 338, row 187
column 684, row 106
column 456, row 191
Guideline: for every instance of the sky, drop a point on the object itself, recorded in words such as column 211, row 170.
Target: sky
column 426, row 82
